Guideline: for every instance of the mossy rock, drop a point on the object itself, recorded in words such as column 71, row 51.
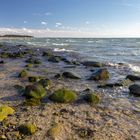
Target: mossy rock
column 5, row 111
column 47, row 53
column 23, row 74
column 54, row 59
column 33, row 61
column 46, row 83
column 92, row 98
column 29, row 65
column 55, row 130
column 63, row 96
column 27, row 129
column 33, row 78
column 35, row 91
column 32, row 102
column 4, row 55
column 100, row 74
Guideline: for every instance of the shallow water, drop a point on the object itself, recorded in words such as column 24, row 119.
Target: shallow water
column 111, row 50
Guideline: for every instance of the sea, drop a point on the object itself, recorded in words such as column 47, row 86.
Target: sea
column 108, row 50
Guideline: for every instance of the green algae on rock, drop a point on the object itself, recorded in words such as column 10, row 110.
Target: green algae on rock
column 35, row 91
column 46, row 83
column 63, row 96
column 23, row 74
column 32, row 102
column 92, row 98
column 27, row 129
column 70, row 75
column 33, row 78
column 33, row 61
column 5, row 111
column 100, row 74
column 29, row 65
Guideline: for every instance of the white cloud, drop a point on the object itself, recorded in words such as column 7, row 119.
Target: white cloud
column 44, row 23
column 58, row 24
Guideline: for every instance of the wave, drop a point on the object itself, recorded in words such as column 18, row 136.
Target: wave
column 60, row 44
column 134, row 68
column 62, row 50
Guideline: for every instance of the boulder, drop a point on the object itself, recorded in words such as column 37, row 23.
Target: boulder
column 92, row 64
column 27, row 129
column 36, row 91
column 133, row 77
column 63, row 96
column 92, row 98
column 5, row 111
column 23, row 74
column 135, row 89
column 100, row 74
column 46, row 83
column 70, row 75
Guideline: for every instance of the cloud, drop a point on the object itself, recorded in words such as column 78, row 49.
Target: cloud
column 44, row 23
column 58, row 24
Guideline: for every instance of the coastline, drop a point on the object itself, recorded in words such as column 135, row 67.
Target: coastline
column 115, row 117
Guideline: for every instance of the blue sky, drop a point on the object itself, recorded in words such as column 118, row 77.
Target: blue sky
column 74, row 18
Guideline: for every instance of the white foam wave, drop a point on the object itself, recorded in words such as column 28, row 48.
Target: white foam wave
column 134, row 68
column 62, row 50
column 60, row 44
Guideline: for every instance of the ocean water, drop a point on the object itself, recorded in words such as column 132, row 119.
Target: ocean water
column 108, row 50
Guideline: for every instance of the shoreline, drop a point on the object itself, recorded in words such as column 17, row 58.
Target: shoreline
column 115, row 117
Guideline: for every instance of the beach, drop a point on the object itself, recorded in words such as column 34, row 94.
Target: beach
column 115, row 116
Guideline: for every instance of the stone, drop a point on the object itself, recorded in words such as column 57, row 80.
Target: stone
column 33, row 78
column 92, row 64
column 46, row 83
column 135, row 89
column 100, row 74
column 27, row 129
column 70, row 75
column 32, row 102
column 5, row 111
column 92, row 98
column 63, row 96
column 133, row 77
column 33, row 61
column 54, row 59
column 23, row 74
column 35, row 91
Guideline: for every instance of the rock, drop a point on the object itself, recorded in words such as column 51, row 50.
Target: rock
column 92, row 98
column 110, row 85
column 34, row 78
column 5, row 111
column 54, row 59
column 2, row 62
column 55, row 130
column 46, row 83
column 35, row 91
column 33, row 61
column 23, row 74
column 133, row 77
column 135, row 89
column 63, row 96
column 92, row 64
column 70, row 75
column 27, row 129
column 29, row 65
column 85, row 133
column 47, row 53
column 19, row 88
column 4, row 55
column 100, row 74
column 32, row 102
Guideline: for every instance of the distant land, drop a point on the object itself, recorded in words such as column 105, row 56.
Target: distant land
column 16, row 36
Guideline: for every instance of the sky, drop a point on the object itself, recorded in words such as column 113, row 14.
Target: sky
column 71, row 18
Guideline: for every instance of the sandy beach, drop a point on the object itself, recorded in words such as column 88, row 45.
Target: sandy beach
column 116, row 116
